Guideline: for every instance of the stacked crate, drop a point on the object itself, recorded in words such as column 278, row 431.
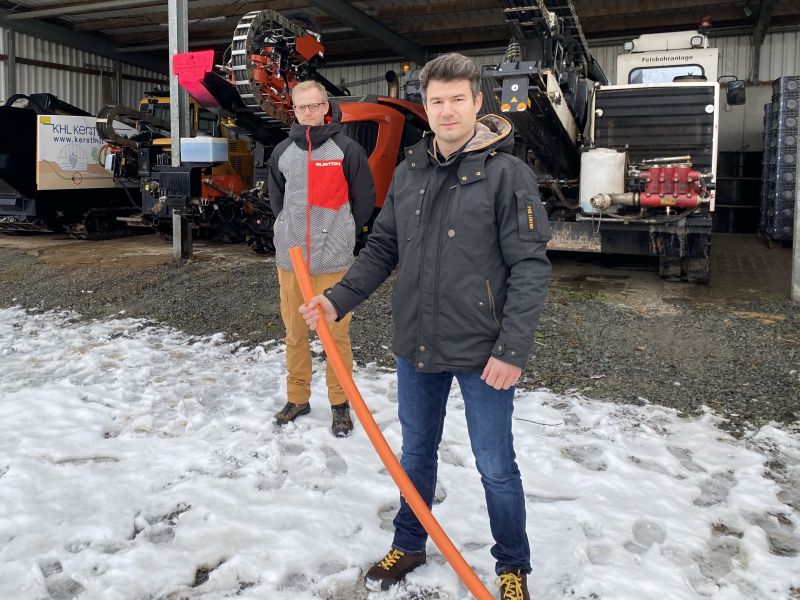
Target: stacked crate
column 764, row 221
column 781, row 118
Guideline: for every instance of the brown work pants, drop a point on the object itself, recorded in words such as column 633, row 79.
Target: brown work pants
column 298, row 350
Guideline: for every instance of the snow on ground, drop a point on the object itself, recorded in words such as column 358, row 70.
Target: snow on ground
column 139, row 463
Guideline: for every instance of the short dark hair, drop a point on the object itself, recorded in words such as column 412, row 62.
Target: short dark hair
column 451, row 67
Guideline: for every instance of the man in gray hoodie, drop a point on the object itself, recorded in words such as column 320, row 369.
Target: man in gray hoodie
column 322, row 193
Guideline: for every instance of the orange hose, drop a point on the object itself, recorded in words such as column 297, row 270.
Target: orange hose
column 407, row 489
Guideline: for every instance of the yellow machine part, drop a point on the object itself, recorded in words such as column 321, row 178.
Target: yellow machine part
column 240, row 155
column 240, row 161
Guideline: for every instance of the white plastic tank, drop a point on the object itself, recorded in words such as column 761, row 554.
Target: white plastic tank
column 602, row 170
column 204, row 149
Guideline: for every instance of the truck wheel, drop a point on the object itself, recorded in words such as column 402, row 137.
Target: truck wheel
column 669, row 267
column 698, row 270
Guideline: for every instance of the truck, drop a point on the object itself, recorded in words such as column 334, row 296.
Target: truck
column 623, row 168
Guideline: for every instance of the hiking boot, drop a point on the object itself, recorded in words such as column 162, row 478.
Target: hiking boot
column 342, row 424
column 290, row 412
column 513, row 584
column 392, row 568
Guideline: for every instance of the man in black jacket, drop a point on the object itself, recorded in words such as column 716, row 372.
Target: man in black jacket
column 321, row 192
column 464, row 222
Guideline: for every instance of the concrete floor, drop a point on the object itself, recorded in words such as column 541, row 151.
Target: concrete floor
column 744, row 268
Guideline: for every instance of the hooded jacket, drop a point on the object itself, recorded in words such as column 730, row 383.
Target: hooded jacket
column 322, row 192
column 468, row 237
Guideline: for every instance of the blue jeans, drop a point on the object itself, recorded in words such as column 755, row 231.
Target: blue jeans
column 422, row 400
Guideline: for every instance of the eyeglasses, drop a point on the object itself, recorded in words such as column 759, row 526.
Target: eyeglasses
column 309, row 107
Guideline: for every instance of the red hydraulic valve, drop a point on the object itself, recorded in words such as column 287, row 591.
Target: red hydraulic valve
column 670, row 185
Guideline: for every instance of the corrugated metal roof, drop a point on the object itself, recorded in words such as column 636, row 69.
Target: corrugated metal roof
column 779, row 56
column 39, row 4
column 433, row 25
column 437, row 25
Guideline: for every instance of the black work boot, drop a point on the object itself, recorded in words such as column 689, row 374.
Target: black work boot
column 513, row 584
column 342, row 424
column 392, row 568
column 290, row 412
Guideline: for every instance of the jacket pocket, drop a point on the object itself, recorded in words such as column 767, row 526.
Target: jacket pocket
column 327, row 185
column 483, row 319
column 471, row 219
column 338, row 238
column 532, row 218
column 409, row 218
column 492, row 305
column 412, row 229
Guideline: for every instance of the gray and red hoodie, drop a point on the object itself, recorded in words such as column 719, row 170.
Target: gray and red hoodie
column 322, row 192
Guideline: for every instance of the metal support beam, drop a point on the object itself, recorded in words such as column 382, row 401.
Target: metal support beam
column 756, row 68
column 349, row 15
column 764, row 16
column 795, row 287
column 759, row 33
column 81, row 41
column 178, row 98
column 195, row 43
column 75, row 9
column 11, row 72
column 181, row 236
column 178, row 12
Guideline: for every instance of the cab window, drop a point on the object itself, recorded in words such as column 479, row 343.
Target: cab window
column 665, row 74
column 159, row 111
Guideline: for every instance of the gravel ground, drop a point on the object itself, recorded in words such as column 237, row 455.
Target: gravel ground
column 742, row 361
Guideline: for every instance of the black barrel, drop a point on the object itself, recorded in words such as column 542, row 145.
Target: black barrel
column 738, row 197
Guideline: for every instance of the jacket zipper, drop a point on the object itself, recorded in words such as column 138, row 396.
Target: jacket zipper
column 308, row 202
column 423, row 240
column 491, row 303
column 440, row 234
column 439, row 240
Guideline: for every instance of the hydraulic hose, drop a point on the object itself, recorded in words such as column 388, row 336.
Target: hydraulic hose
column 407, row 489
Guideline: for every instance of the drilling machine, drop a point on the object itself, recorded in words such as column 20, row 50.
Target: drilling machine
column 627, row 168
column 250, row 94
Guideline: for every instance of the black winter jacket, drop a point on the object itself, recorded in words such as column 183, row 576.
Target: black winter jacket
column 469, row 239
